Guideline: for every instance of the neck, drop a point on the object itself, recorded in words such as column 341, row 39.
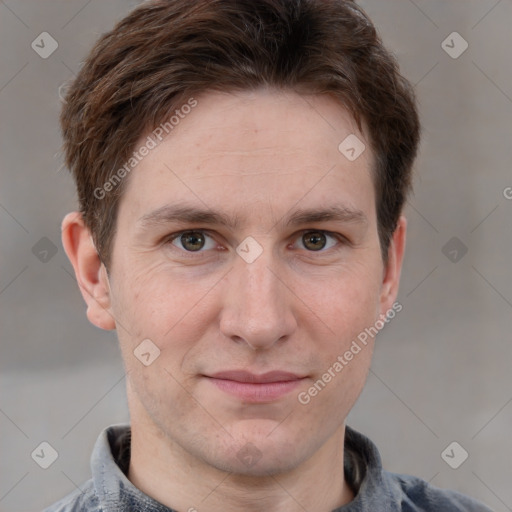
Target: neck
column 162, row 469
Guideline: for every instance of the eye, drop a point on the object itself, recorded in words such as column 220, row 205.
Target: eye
column 196, row 241
column 192, row 241
column 318, row 240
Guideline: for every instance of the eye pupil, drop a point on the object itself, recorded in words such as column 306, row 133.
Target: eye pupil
column 314, row 240
column 192, row 241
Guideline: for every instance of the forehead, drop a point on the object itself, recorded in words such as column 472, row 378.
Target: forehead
column 266, row 119
column 262, row 149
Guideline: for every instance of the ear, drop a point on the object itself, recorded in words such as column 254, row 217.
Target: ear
column 90, row 272
column 391, row 276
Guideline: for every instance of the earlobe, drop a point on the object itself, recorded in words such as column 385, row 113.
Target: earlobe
column 392, row 271
column 90, row 272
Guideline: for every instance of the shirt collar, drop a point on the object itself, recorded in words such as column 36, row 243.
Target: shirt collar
column 109, row 464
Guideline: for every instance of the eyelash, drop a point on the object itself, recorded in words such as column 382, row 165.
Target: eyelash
column 192, row 254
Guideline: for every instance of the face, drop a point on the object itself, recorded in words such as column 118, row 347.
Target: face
column 280, row 273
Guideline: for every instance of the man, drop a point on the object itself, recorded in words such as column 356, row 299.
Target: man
column 241, row 168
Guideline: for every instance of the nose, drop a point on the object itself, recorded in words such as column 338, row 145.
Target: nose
column 257, row 305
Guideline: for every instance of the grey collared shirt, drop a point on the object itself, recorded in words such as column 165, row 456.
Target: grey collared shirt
column 376, row 490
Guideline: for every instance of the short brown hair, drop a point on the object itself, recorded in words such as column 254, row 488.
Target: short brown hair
column 166, row 51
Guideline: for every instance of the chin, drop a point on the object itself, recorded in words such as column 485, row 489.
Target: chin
column 266, row 465
column 258, row 454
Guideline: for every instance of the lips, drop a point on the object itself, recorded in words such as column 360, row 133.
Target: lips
column 252, row 388
column 244, row 376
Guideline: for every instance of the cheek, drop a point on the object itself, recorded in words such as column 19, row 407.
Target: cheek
column 348, row 305
column 163, row 394
column 347, row 301
column 153, row 301
column 342, row 391
column 173, row 312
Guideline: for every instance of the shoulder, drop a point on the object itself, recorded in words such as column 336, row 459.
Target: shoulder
column 378, row 489
column 80, row 500
column 418, row 495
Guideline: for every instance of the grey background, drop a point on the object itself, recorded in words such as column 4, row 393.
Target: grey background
column 441, row 371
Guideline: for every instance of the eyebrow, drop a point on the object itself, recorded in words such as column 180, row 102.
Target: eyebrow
column 194, row 215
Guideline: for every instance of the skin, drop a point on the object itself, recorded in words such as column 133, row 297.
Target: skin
column 259, row 155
